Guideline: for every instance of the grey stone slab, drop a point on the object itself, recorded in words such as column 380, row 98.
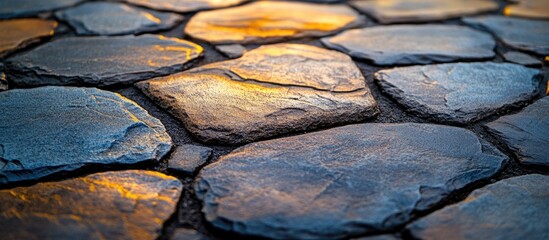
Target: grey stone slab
column 232, row 50
column 341, row 182
column 19, row 33
column 379, row 237
column 28, row 8
column 460, row 92
column 48, row 130
column 187, row 234
column 187, row 158
column 521, row 58
column 185, row 6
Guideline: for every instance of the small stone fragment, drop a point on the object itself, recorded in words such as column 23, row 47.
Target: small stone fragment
column 19, row 33
column 187, row 234
column 521, row 58
column 48, row 130
column 232, row 50
column 528, row 9
column 514, row 208
column 111, row 18
column 341, row 182
column 28, row 8
column 414, row 44
column 185, row 6
column 129, row 204
column 187, row 158
column 459, row 92
column 271, row 21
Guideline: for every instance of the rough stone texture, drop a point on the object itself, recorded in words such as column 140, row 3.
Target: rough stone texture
column 270, row 21
column 400, row 11
column 101, row 61
column 414, row 44
column 526, row 133
column 522, row 34
column 529, row 9
column 379, row 237
column 113, row 205
column 109, row 18
column 514, row 208
column 459, row 92
column 53, row 129
column 27, row 8
column 232, row 50
column 521, row 58
column 186, row 5
column 187, row 234
column 3, row 80
column 187, row 158
column 341, row 182
column 272, row 90
column 19, row 33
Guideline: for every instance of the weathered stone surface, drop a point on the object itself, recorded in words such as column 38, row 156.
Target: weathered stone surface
column 514, row 208
column 113, row 205
column 526, row 133
column 270, row 21
column 414, row 44
column 459, row 92
column 187, row 234
column 27, row 8
column 521, row 58
column 343, row 181
column 110, row 18
column 379, row 237
column 401, row 11
column 272, row 90
column 187, row 158
column 185, row 6
column 101, row 61
column 53, row 129
column 529, row 9
column 232, row 50
column 19, row 33
column 522, row 34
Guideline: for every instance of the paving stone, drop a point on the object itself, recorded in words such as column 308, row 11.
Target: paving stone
column 521, row 58
column 526, row 133
column 187, row 158
column 19, row 33
column 110, row 18
column 113, row 205
column 272, row 90
column 187, row 234
column 28, row 8
column 101, row 61
column 459, row 92
column 232, row 50
column 271, row 21
column 49, row 130
column 379, row 237
column 403, row 11
column 414, row 44
column 514, row 208
column 522, row 34
column 529, row 9
column 341, row 182
column 185, row 6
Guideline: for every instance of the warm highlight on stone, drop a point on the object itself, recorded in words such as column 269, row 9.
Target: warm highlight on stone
column 19, row 33
column 185, row 5
column 529, row 9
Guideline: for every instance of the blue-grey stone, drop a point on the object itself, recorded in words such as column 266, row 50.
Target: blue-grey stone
column 28, row 8
column 187, row 158
column 521, row 58
column 232, row 50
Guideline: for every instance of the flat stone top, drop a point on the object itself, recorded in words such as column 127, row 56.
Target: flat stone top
column 521, row 58
column 27, row 8
column 529, row 9
column 15, row 34
column 185, row 5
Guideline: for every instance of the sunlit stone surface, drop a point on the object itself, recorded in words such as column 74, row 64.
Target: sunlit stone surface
column 526, row 133
column 49, row 130
column 27, row 8
column 529, row 9
column 185, row 5
column 400, row 11
column 343, row 181
column 459, row 92
column 514, row 208
column 187, row 158
column 113, row 205
column 523, row 34
column 108, row 18
column 270, row 21
column 521, row 58
column 414, row 44
column 17, row 34
column 271, row 90
column 231, row 50
column 101, row 61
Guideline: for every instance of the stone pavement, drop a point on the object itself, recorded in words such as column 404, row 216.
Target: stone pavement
column 297, row 119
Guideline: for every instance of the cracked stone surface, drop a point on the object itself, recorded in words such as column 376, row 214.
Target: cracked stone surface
column 187, row 158
column 186, row 5
column 526, row 133
column 110, row 18
column 129, row 204
column 101, row 61
column 341, row 182
column 270, row 21
column 521, row 58
column 528, row 9
column 49, row 130
column 272, row 90
column 459, row 92
column 19, row 33
column 414, row 44
column 28, row 8
column 514, row 208
column 400, row 11
column 231, row 50
column 523, row 34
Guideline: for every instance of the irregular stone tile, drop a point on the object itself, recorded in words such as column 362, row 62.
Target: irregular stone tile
column 113, row 205
column 272, row 90
column 459, row 92
column 57, row 129
column 521, row 58
column 27, row 8
column 402, row 11
column 379, row 237
column 414, row 44
column 522, row 34
column 19, row 33
column 514, row 208
column 232, row 50
column 341, row 182
column 526, row 133
column 110, row 18
column 185, row 6
column 187, row 158
column 187, row 234
column 529, row 9
column 101, row 61
column 269, row 21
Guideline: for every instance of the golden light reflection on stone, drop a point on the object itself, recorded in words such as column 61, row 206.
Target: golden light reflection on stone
column 529, row 9
column 16, row 34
